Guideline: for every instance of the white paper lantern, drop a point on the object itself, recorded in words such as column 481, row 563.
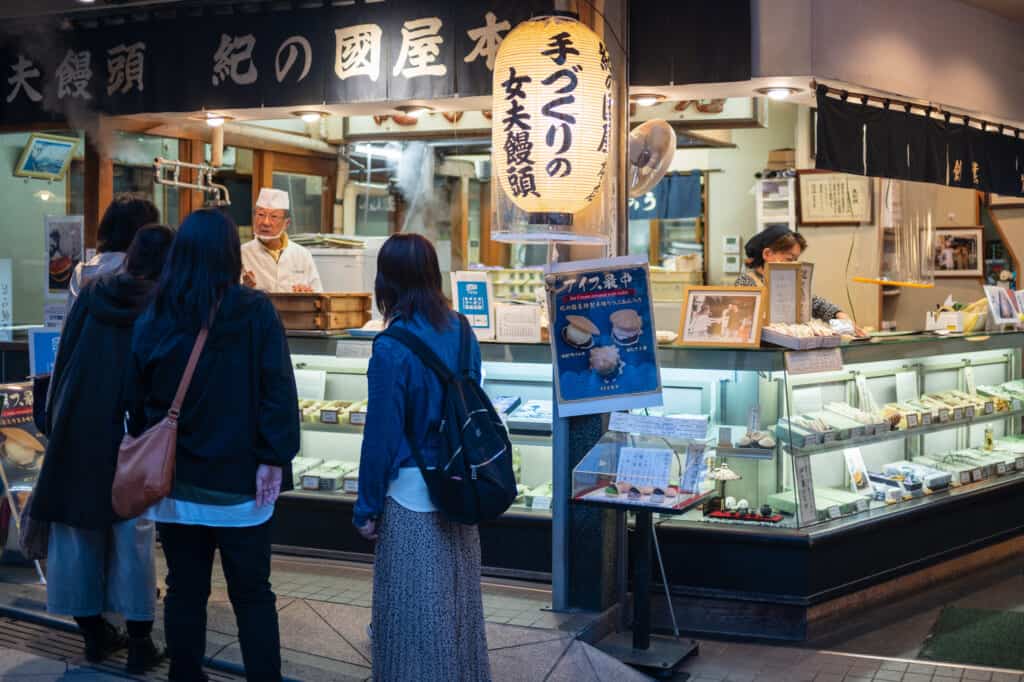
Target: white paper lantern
column 552, row 117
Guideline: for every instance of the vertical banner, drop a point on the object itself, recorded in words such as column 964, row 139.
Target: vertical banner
column 6, row 299
column 602, row 336
column 65, row 249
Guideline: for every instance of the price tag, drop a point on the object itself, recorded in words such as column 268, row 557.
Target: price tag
column 354, row 349
column 829, row 436
column 958, row 413
column 814, row 361
column 541, row 503
column 645, row 466
column 965, row 477
column 311, row 482
column 1000, row 468
column 725, row 437
column 1020, row 464
column 834, row 512
column 692, row 428
column 357, row 418
column 943, row 415
column 862, row 504
column 976, row 475
column 806, row 506
column 350, row 485
column 1016, row 405
column 969, row 411
column 912, row 421
column 969, row 380
column 926, row 419
column 990, row 407
column 328, row 416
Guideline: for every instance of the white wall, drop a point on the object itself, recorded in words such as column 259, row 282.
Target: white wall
column 942, row 51
column 731, row 204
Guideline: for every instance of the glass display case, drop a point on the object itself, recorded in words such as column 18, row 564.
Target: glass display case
column 902, row 421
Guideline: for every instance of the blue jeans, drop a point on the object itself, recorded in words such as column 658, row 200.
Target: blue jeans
column 92, row 571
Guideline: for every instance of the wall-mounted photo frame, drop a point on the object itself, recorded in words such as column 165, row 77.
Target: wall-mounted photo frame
column 1003, row 201
column 825, row 198
column 783, row 292
column 46, row 157
column 723, row 317
column 956, row 252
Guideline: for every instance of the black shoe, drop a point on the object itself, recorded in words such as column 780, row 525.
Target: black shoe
column 103, row 641
column 143, row 654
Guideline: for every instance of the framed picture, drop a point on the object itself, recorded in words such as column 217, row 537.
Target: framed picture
column 1003, row 201
column 726, row 317
column 825, row 198
column 783, row 292
column 46, row 156
column 1002, row 306
column 956, row 252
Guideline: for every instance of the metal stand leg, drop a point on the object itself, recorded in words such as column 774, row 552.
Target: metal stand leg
column 659, row 656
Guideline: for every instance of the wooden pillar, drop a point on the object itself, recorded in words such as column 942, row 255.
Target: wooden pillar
column 491, row 252
column 262, row 172
column 99, row 190
column 189, row 151
column 460, row 222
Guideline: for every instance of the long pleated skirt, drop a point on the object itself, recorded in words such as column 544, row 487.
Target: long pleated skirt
column 428, row 618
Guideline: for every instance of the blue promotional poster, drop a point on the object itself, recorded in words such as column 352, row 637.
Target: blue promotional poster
column 602, row 336
column 42, row 350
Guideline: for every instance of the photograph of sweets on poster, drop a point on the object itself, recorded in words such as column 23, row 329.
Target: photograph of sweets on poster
column 65, row 249
column 722, row 316
column 602, row 336
column 956, row 252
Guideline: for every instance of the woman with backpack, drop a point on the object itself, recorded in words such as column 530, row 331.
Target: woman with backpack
column 238, row 430
column 427, row 623
column 96, row 561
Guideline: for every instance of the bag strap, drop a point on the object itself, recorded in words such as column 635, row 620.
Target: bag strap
column 421, row 350
column 465, row 343
column 190, row 369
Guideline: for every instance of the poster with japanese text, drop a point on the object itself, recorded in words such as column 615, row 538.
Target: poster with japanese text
column 21, row 455
column 602, row 336
column 6, row 300
column 473, row 297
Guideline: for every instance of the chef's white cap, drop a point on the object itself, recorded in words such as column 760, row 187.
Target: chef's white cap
column 273, row 199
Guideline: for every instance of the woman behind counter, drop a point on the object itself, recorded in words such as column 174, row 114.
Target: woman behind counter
column 778, row 244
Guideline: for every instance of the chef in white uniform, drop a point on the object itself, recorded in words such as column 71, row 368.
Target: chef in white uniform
column 270, row 261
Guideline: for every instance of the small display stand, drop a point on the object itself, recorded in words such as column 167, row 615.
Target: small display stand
column 644, row 475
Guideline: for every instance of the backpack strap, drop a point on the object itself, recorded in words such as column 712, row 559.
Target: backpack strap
column 420, row 350
column 465, row 344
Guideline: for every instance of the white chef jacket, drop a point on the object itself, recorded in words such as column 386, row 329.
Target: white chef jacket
column 295, row 266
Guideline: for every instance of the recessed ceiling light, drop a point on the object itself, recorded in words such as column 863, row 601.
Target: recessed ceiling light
column 309, row 115
column 86, row 2
column 778, row 92
column 212, row 119
column 646, row 99
column 414, row 110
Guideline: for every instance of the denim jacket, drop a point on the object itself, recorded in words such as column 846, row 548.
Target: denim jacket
column 405, row 401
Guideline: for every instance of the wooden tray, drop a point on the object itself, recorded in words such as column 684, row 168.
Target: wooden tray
column 323, row 321
column 329, row 302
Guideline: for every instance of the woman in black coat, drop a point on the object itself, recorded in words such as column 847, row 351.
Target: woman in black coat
column 97, row 562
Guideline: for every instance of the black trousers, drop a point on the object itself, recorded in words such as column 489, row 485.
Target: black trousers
column 245, row 557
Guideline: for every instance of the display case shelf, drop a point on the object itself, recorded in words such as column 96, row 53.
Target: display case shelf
column 894, row 435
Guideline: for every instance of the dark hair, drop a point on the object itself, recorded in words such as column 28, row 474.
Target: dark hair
column 409, row 281
column 148, row 251
column 122, row 219
column 783, row 243
column 205, row 261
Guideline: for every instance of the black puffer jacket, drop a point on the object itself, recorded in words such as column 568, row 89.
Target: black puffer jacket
column 90, row 389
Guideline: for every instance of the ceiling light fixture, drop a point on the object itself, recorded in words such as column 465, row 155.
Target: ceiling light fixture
column 778, row 93
column 414, row 110
column 309, row 115
column 646, row 99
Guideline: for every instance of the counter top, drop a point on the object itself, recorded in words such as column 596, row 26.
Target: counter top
column 763, row 359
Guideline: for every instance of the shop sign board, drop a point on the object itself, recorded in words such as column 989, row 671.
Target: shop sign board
column 474, row 298
column 357, row 51
column 6, row 299
column 602, row 336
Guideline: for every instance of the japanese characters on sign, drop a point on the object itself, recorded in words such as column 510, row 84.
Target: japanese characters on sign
column 552, row 90
column 363, row 50
column 602, row 336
